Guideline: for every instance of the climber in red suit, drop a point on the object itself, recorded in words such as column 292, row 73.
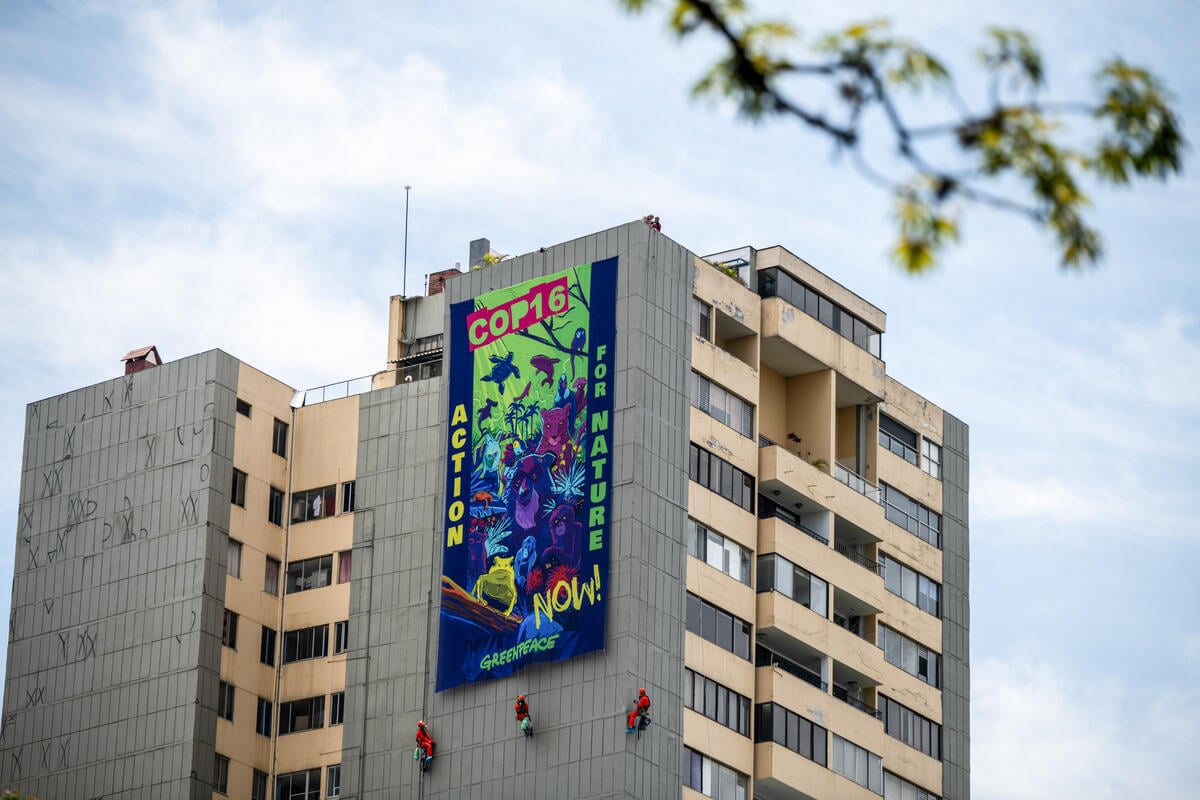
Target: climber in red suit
column 641, row 709
column 425, row 743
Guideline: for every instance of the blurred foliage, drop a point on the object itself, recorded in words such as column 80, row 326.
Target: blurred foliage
column 1017, row 154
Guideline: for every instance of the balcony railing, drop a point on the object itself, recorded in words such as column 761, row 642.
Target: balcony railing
column 768, row 509
column 769, row 658
column 856, row 482
column 858, row 558
column 845, row 697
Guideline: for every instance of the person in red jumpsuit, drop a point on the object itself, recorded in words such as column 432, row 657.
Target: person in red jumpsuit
column 641, row 709
column 425, row 743
column 521, row 709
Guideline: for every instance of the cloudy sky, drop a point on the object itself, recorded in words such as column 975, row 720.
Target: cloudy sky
column 202, row 175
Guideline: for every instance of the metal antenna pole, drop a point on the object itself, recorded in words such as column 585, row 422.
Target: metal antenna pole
column 404, row 277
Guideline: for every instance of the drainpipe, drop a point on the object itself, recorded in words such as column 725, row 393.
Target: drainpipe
column 297, row 402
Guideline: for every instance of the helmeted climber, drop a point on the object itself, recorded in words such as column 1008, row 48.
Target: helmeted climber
column 640, row 716
column 425, row 744
column 521, row 709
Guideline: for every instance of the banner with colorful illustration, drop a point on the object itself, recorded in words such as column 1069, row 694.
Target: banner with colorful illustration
column 528, row 474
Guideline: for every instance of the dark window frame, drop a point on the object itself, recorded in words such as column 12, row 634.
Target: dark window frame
column 262, row 717
column 237, row 491
column 275, row 507
column 266, row 646
column 721, row 477
column 308, row 573
column 302, row 644
column 710, row 621
column 308, row 712
column 229, row 626
column 279, row 438
column 225, row 700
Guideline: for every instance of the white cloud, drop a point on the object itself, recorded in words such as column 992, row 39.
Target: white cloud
column 1086, row 425
column 1038, row 732
column 188, row 286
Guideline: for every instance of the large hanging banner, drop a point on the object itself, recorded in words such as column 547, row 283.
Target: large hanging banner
column 528, row 475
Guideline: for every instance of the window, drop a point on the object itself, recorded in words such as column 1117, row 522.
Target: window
column 266, row 649
column 344, row 561
column 777, row 574
column 715, row 550
column 798, row 734
column 716, row 702
column 931, row 458
column 258, row 786
column 225, row 700
column 233, row 558
column 302, row 785
column 911, row 728
column 896, row 788
column 229, row 629
column 312, row 573
column 859, row 765
column 913, row 658
column 243, row 407
column 275, row 507
column 279, row 438
column 723, row 406
column 426, row 344
column 262, row 720
column 333, row 780
column 922, row 592
column 711, row 778
column 911, row 515
column 718, row 475
column 341, row 637
column 337, row 707
column 296, row 716
column 221, row 774
column 701, row 319
column 347, row 497
column 305, row 643
column 313, row 504
column 897, row 438
column 271, row 577
column 718, row 627
column 237, row 494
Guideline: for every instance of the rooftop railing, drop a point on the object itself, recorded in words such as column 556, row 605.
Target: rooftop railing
column 338, row 390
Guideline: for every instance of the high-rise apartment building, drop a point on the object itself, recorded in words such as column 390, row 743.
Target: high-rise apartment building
column 604, row 465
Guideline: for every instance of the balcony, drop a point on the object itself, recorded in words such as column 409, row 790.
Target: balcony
column 843, row 694
column 786, row 626
column 793, row 343
column 856, row 482
column 769, row 509
column 857, row 557
column 778, row 689
column 778, row 774
column 799, row 483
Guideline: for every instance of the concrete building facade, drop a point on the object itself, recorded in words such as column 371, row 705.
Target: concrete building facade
column 225, row 587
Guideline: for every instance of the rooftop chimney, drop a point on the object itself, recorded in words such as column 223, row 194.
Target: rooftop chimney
column 140, row 359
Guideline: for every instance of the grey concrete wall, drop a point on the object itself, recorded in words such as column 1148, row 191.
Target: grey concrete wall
column 956, row 612
column 115, row 635
column 580, row 749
